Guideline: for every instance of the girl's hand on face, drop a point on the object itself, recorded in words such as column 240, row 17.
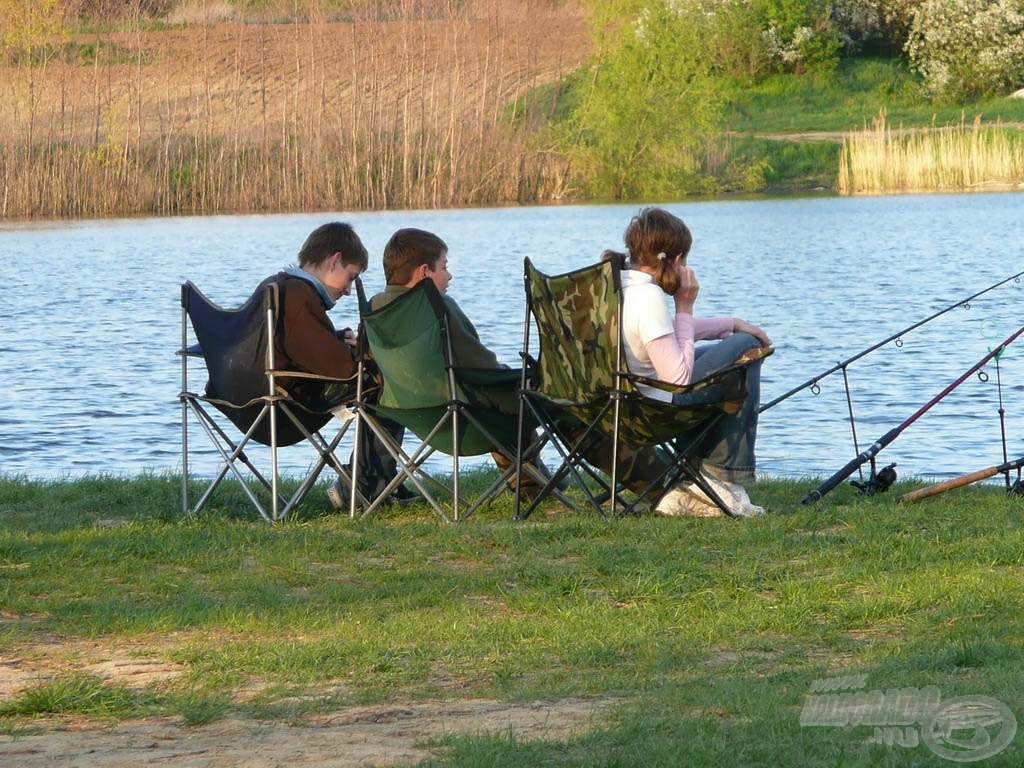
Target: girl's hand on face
column 686, row 293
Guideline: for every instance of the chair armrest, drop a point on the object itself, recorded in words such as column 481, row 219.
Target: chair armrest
column 490, row 378
column 193, row 350
column 305, row 375
column 748, row 357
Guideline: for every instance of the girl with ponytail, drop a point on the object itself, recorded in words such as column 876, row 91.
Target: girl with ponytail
column 660, row 344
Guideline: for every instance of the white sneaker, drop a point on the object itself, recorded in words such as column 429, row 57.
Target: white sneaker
column 679, row 502
column 734, row 495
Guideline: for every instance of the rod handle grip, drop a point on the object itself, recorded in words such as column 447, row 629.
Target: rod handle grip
column 948, row 485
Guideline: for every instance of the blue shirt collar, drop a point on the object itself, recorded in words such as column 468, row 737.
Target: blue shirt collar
column 310, row 278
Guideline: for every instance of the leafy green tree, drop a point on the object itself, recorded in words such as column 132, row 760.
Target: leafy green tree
column 800, row 35
column 736, row 40
column 968, row 48
column 649, row 102
column 873, row 26
column 749, row 39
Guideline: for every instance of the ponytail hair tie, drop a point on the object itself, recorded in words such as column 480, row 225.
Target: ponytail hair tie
column 661, row 256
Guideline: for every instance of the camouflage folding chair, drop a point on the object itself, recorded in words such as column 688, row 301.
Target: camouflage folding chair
column 582, row 394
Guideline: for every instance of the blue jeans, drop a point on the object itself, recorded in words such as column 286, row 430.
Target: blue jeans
column 728, row 448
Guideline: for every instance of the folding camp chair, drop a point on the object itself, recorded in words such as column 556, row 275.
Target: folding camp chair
column 581, row 392
column 450, row 410
column 237, row 347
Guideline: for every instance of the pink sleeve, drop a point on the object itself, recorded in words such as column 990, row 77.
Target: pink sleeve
column 672, row 356
column 705, row 328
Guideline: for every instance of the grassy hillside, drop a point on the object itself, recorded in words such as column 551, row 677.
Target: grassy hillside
column 861, row 89
column 797, row 124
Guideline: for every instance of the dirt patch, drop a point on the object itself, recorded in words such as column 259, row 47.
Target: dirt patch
column 132, row 666
column 381, row 735
column 378, row 735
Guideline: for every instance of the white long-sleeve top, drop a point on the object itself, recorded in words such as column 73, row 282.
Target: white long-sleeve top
column 660, row 343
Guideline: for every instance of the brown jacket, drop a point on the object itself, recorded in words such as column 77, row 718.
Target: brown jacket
column 305, row 338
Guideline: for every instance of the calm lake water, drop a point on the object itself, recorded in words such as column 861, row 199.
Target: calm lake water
column 91, row 317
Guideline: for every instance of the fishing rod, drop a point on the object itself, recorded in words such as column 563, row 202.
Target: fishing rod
column 970, row 477
column 813, row 381
column 870, row 453
column 1002, row 420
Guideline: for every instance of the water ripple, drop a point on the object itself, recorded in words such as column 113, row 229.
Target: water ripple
column 827, row 277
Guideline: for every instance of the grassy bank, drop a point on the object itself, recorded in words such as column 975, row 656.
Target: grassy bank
column 706, row 635
column 867, row 130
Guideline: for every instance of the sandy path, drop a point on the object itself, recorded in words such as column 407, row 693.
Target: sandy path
column 372, row 735
column 358, row 736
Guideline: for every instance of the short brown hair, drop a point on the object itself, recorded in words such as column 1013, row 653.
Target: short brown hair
column 409, row 249
column 328, row 239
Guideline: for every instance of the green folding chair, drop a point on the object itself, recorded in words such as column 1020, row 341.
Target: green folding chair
column 449, row 409
column 581, row 392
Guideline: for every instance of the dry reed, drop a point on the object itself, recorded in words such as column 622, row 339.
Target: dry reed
column 961, row 157
column 319, row 115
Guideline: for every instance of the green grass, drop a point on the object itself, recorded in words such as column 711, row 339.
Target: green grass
column 708, row 633
column 859, row 91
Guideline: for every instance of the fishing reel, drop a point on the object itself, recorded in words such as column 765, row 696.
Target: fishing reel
column 879, row 482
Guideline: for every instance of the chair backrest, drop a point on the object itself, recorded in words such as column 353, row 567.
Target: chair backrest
column 577, row 320
column 408, row 342
column 236, row 346
column 233, row 343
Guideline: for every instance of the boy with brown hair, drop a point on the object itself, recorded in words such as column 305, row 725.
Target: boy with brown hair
column 413, row 255
column 329, row 261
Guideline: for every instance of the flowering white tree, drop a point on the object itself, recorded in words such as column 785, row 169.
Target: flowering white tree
column 968, row 48
column 877, row 25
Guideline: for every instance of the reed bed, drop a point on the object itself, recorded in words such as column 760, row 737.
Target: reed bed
column 962, row 157
column 317, row 115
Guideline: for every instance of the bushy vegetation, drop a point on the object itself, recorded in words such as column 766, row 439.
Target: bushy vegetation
column 679, row 97
column 968, row 48
column 664, row 72
column 29, row 25
column 649, row 106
